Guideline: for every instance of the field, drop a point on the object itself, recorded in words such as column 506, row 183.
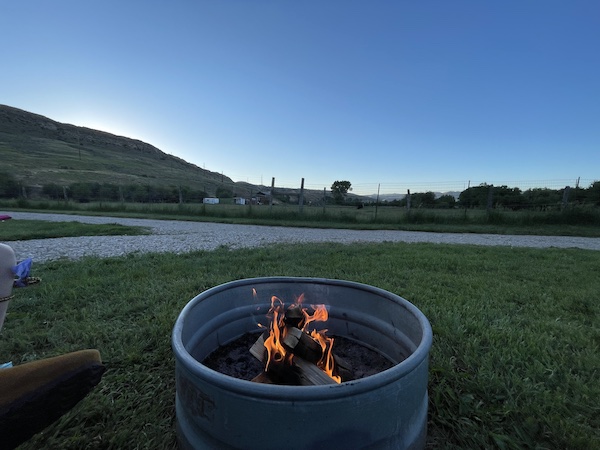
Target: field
column 514, row 362
column 575, row 221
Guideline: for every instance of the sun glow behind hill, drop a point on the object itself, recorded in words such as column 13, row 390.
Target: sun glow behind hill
column 106, row 123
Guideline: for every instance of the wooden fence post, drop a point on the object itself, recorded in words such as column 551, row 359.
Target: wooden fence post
column 490, row 199
column 271, row 196
column 565, row 199
column 377, row 202
column 301, row 199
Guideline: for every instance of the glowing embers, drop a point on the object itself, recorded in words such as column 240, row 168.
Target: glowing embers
column 294, row 354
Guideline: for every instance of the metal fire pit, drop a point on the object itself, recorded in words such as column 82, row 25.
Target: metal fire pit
column 387, row 410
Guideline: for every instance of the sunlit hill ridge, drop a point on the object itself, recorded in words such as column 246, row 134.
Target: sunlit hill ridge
column 37, row 151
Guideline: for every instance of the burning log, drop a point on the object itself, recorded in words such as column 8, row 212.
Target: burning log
column 263, row 378
column 297, row 354
column 300, row 372
column 294, row 317
column 302, row 345
column 258, row 350
column 343, row 368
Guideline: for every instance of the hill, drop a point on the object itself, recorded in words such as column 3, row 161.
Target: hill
column 38, row 151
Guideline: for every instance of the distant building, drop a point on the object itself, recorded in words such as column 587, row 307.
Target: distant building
column 239, row 200
column 210, row 200
column 263, row 198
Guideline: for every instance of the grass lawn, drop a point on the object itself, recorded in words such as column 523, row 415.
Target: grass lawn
column 514, row 362
column 15, row 230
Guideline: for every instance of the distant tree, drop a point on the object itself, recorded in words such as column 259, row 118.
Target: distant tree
column 475, row 197
column 135, row 193
column 541, row 198
column 508, row 197
column 9, row 186
column 428, row 199
column 184, row 194
column 421, row 200
column 223, row 192
column 192, row 195
column 593, row 193
column 81, row 192
column 53, row 191
column 502, row 196
column 108, row 192
column 445, row 201
column 579, row 194
column 339, row 189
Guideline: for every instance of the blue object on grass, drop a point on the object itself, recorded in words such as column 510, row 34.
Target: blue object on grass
column 21, row 272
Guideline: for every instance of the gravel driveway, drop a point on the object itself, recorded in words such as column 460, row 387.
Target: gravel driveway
column 180, row 237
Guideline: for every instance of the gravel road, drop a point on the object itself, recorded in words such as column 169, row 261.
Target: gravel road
column 181, row 237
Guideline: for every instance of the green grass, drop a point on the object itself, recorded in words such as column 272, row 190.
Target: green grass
column 514, row 362
column 15, row 230
column 576, row 221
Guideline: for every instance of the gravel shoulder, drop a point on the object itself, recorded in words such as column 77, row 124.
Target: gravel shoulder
column 182, row 237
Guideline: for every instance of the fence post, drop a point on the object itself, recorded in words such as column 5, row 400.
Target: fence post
column 301, row 199
column 490, row 199
column 271, row 196
column 377, row 202
column 565, row 198
column 467, row 199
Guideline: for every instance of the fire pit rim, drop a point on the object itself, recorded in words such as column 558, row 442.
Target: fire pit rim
column 244, row 387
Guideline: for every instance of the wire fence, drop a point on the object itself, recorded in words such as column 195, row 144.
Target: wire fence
column 400, row 188
column 538, row 195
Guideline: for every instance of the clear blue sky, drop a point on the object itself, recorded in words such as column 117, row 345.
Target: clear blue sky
column 372, row 92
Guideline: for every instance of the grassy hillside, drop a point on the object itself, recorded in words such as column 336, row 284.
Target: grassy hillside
column 38, row 151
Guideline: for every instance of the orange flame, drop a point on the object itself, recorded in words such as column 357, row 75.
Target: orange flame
column 327, row 363
column 320, row 315
column 276, row 352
